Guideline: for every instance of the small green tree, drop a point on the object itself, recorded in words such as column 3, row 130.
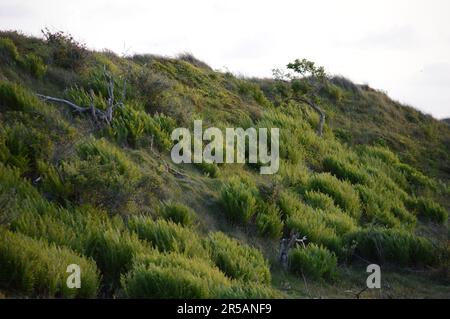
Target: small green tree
column 306, row 81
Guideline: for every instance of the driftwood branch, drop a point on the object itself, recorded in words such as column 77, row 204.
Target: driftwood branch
column 97, row 114
column 316, row 108
column 286, row 244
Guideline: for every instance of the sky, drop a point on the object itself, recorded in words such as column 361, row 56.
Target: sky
column 401, row 47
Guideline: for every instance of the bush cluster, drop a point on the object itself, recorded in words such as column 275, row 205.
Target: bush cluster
column 313, row 260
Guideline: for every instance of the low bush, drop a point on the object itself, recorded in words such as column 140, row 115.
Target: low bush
column 382, row 153
column 382, row 207
column 35, row 268
column 209, row 169
column 313, row 260
column 248, row 290
column 416, row 180
column 14, row 97
column 172, row 275
column 34, row 64
column 344, row 170
column 289, row 204
column 238, row 261
column 101, row 174
column 136, row 126
column 319, row 200
column 86, row 231
column 8, row 50
column 269, row 222
column 167, row 236
column 342, row 192
column 428, row 209
column 113, row 249
column 307, row 222
column 178, row 213
column 238, row 201
column 392, row 245
column 66, row 51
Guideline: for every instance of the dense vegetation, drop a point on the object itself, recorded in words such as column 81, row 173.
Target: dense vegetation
column 372, row 188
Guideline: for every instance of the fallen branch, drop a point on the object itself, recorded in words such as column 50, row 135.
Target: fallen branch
column 97, row 114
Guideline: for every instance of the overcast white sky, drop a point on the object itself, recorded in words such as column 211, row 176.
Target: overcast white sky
column 399, row 46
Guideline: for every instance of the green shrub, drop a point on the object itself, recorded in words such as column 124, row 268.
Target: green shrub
column 382, row 153
column 313, row 260
column 85, row 230
column 307, row 222
column 23, row 146
column 288, row 203
column 178, row 213
column 269, row 222
column 167, row 236
column 248, row 290
column 344, row 170
column 238, row 201
column 319, row 200
column 342, row 192
column 36, row 268
column 113, row 249
column 136, row 126
column 8, row 50
column 416, row 180
column 53, row 183
column 66, row 51
column 428, row 209
column 34, row 64
column 209, row 169
column 16, row 98
column 158, row 275
column 392, row 245
column 382, row 207
column 101, row 174
column 238, row 261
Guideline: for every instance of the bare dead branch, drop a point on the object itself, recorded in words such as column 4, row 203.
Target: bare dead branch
column 97, row 114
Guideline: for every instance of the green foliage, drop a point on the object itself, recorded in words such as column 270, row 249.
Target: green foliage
column 313, row 260
column 172, row 275
column 86, row 231
column 102, row 173
column 53, row 183
column 113, row 249
column 178, row 213
column 392, row 245
column 237, row 260
column 334, row 92
column 36, row 268
column 34, row 64
column 55, row 180
column 381, row 207
column 344, row 170
column 248, row 290
column 167, row 236
column 8, row 50
column 17, row 98
column 209, row 169
column 416, row 179
column 238, row 201
column 136, row 127
column 23, row 146
column 307, row 222
column 66, row 51
column 251, row 90
column 319, row 200
column 428, row 209
column 269, row 222
column 382, row 153
column 342, row 192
